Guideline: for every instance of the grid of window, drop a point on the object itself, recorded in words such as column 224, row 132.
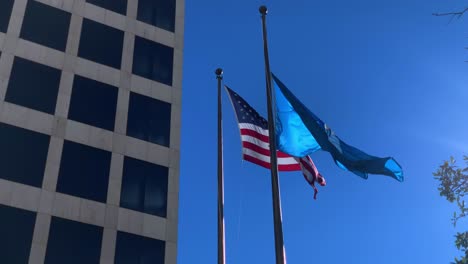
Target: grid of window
column 6, row 7
column 23, row 155
column 73, row 242
column 149, row 119
column 153, row 60
column 137, row 249
column 101, row 43
column 16, row 231
column 84, row 171
column 144, row 187
column 159, row 13
column 33, row 85
column 93, row 103
column 118, row 6
column 46, row 25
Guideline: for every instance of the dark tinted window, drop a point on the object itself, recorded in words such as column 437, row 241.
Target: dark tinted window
column 132, row 249
column 5, row 12
column 46, row 25
column 84, row 171
column 118, row 6
column 93, row 103
column 73, row 242
column 101, row 43
column 144, row 187
column 159, row 13
column 16, row 231
column 23, row 155
column 149, row 119
column 153, row 61
column 33, row 85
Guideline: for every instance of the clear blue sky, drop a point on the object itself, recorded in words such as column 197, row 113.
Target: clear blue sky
column 387, row 76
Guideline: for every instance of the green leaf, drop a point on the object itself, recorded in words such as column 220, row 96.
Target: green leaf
column 453, row 185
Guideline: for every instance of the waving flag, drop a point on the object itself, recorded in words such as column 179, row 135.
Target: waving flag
column 300, row 132
column 256, row 146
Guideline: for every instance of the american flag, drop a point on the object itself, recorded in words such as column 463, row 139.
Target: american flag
column 256, row 147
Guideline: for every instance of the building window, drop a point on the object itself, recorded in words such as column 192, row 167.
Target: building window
column 144, row 187
column 149, row 119
column 159, row 13
column 138, row 249
column 93, row 103
column 23, row 155
column 118, row 6
column 33, row 85
column 73, row 242
column 46, row 25
column 16, row 231
column 84, row 171
column 153, row 61
column 101, row 43
column 6, row 6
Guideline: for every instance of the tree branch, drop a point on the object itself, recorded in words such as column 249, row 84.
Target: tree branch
column 462, row 184
column 453, row 14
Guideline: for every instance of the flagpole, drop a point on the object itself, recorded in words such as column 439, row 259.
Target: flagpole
column 279, row 243
column 221, row 245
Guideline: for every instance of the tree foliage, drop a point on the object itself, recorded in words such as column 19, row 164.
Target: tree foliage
column 453, row 185
column 453, row 181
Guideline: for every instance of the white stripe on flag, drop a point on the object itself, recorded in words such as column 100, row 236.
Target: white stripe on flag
column 281, row 161
column 253, row 127
column 255, row 141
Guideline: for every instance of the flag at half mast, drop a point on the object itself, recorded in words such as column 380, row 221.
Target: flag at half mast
column 256, row 147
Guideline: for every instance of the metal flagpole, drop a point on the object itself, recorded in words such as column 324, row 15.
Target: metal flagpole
column 279, row 243
column 221, row 246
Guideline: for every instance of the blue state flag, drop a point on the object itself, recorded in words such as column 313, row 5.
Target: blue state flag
column 299, row 132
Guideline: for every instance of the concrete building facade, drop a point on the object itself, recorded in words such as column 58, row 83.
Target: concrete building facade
column 90, row 110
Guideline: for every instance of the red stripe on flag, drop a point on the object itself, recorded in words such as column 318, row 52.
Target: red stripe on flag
column 255, row 134
column 283, row 167
column 266, row 152
column 308, row 166
column 289, row 167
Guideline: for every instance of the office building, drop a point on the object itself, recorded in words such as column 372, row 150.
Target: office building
column 90, row 110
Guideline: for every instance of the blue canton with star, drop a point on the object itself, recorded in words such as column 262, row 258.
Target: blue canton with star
column 244, row 112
